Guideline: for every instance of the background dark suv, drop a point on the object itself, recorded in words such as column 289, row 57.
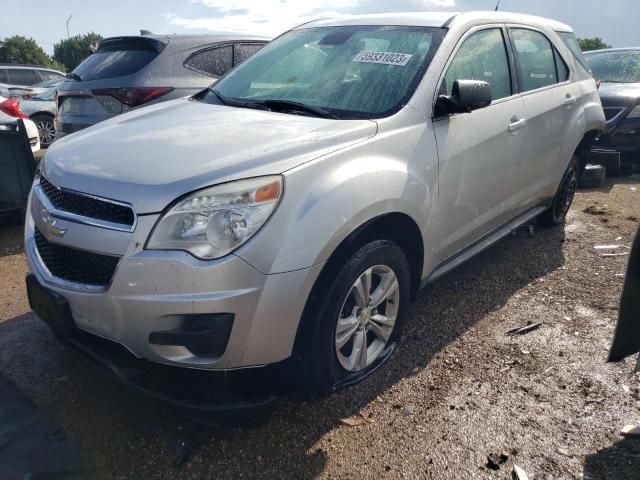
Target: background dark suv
column 127, row 72
column 618, row 70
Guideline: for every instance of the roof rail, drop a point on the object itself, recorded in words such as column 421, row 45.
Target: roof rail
column 25, row 65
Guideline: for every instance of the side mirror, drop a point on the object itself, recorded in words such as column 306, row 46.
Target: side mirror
column 466, row 96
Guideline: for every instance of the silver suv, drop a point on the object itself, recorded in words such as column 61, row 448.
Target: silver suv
column 127, row 72
column 293, row 209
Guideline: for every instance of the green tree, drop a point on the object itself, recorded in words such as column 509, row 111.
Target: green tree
column 71, row 51
column 595, row 43
column 18, row 49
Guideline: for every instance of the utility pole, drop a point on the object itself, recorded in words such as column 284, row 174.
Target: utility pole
column 68, row 20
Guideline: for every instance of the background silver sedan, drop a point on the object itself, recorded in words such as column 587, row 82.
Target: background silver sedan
column 41, row 109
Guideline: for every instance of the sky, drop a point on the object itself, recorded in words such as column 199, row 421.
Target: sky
column 616, row 21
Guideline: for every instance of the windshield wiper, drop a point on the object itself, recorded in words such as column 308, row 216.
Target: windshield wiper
column 289, row 105
column 232, row 102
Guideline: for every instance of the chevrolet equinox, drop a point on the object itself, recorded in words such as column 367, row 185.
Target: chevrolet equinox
column 293, row 209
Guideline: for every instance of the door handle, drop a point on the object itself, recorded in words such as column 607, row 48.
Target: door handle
column 569, row 100
column 517, row 124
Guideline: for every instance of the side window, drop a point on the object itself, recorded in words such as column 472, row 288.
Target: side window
column 22, row 76
column 3, row 76
column 563, row 70
column 244, row 51
column 482, row 56
column 214, row 62
column 536, row 60
column 46, row 75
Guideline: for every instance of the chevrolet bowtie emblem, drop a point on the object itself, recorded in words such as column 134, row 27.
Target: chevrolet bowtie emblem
column 49, row 226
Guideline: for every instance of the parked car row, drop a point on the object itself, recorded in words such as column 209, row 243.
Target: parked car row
column 289, row 212
column 125, row 73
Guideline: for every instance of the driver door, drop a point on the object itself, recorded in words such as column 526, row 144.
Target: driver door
column 479, row 153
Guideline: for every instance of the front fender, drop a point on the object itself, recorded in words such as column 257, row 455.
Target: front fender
column 327, row 200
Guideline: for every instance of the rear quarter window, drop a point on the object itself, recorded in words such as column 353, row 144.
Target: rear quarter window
column 214, row 62
column 572, row 44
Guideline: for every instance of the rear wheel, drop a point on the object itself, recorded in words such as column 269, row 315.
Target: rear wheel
column 46, row 129
column 354, row 317
column 557, row 213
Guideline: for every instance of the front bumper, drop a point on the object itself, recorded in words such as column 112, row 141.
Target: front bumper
column 621, row 135
column 242, row 397
column 155, row 291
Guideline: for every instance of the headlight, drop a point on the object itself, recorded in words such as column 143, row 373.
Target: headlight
column 635, row 113
column 213, row 222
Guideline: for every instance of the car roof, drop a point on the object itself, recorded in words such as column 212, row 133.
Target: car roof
column 439, row 19
column 26, row 65
column 197, row 38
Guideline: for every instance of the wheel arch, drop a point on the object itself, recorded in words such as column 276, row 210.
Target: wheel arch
column 397, row 227
column 43, row 113
column 583, row 150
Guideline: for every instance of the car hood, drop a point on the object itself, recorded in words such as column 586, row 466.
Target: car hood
column 619, row 94
column 151, row 156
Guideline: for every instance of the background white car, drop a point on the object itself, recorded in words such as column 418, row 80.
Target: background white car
column 11, row 122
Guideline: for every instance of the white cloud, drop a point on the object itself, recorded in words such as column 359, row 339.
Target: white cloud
column 271, row 17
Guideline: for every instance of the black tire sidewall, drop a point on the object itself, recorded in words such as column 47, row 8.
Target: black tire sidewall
column 549, row 217
column 323, row 373
column 572, row 169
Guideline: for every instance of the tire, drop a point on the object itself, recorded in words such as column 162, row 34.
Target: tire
column 328, row 355
column 46, row 129
column 593, row 177
column 557, row 212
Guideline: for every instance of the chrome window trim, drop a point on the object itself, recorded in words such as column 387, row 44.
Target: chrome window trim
column 74, row 217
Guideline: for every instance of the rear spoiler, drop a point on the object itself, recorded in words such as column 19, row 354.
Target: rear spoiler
column 156, row 44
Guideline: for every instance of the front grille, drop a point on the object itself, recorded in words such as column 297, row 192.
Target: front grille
column 86, row 206
column 75, row 265
column 612, row 112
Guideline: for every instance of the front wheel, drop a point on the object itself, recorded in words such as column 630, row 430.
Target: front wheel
column 557, row 213
column 354, row 317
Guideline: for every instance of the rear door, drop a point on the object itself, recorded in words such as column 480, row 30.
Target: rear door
column 479, row 153
column 550, row 99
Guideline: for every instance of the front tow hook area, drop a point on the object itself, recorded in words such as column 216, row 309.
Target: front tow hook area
column 241, row 398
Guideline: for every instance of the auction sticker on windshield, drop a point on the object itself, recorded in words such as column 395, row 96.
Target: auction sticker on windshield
column 386, row 58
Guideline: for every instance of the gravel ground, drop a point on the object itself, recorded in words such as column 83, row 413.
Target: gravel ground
column 456, row 391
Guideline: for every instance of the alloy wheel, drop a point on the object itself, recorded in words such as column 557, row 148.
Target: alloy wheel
column 47, row 131
column 367, row 318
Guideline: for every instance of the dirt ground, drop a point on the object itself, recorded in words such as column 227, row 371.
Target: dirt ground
column 456, row 391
